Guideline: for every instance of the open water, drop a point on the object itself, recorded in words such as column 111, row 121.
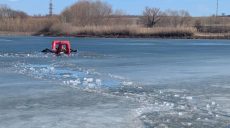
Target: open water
column 117, row 83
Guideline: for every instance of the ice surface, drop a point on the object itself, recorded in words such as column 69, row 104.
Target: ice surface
column 116, row 83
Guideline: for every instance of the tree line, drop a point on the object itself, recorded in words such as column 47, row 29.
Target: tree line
column 86, row 12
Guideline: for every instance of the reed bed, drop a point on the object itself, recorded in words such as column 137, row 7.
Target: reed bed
column 31, row 25
column 122, row 31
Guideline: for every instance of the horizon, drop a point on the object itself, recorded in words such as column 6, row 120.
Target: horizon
column 194, row 7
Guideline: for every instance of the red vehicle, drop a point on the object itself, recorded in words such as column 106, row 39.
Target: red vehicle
column 60, row 46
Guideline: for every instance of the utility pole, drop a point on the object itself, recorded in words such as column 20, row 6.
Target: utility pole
column 217, row 7
column 51, row 8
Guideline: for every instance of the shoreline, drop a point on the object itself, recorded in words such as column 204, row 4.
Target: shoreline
column 195, row 36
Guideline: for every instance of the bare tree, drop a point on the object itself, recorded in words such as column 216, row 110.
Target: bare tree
column 6, row 12
column 172, row 17
column 100, row 12
column 184, row 17
column 177, row 18
column 150, row 16
column 119, row 17
column 86, row 12
column 198, row 25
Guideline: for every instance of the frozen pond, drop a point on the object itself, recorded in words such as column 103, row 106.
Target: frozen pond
column 116, row 83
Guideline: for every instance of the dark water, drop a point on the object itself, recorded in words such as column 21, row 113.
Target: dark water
column 115, row 83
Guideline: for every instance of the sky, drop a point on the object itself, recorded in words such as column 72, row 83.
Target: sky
column 133, row 7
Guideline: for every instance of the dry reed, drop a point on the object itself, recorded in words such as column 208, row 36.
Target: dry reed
column 122, row 31
column 25, row 25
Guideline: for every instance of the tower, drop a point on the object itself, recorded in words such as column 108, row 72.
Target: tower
column 51, row 8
